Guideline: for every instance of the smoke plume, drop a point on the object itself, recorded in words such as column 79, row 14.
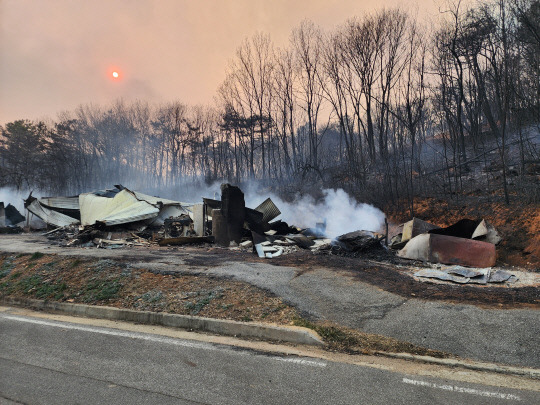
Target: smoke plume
column 14, row 197
column 341, row 212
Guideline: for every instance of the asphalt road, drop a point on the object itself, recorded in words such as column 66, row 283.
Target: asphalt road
column 493, row 335
column 44, row 361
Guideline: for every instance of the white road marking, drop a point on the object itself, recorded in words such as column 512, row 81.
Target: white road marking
column 454, row 388
column 301, row 361
column 112, row 332
column 151, row 338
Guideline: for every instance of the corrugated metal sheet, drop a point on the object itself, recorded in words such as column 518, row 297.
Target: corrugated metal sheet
column 67, row 203
column 121, row 209
column 49, row 216
column 110, row 207
column 155, row 200
column 269, row 210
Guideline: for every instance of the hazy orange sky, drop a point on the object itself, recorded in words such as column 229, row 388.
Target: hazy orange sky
column 57, row 54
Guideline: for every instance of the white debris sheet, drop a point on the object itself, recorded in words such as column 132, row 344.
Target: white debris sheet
column 123, row 208
column 49, row 216
column 464, row 275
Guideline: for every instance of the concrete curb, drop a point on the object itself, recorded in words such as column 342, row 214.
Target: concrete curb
column 293, row 334
column 471, row 365
column 217, row 326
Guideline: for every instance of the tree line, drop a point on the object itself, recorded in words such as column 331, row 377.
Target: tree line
column 383, row 106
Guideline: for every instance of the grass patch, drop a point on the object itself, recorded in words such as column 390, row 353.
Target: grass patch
column 75, row 263
column 353, row 341
column 6, row 268
column 37, row 287
column 50, row 290
column 48, row 267
column 101, row 290
column 152, row 296
column 204, row 299
column 36, row 256
column 28, row 284
column 332, row 335
column 104, row 264
column 6, row 288
column 15, row 276
column 4, row 273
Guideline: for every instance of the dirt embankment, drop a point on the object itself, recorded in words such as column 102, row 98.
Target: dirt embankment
column 114, row 283
column 518, row 224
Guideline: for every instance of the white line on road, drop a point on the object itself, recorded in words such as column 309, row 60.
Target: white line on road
column 150, row 338
column 301, row 361
column 111, row 332
column 454, row 388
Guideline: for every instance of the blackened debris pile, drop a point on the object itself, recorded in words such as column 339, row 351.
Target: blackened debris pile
column 10, row 218
column 467, row 243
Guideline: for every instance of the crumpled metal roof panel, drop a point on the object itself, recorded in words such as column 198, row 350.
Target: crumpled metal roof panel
column 123, row 208
column 155, row 200
column 49, row 216
column 69, row 203
column 269, row 210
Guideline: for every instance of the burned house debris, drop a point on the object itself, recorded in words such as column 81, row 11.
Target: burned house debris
column 119, row 217
column 463, row 275
column 117, row 206
column 467, row 243
column 10, row 217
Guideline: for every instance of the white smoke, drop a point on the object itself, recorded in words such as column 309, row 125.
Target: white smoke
column 14, row 197
column 341, row 212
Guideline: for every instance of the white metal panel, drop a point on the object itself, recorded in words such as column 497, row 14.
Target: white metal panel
column 121, row 209
column 70, row 203
column 49, row 216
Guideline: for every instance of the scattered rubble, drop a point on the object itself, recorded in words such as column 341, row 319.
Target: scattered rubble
column 9, row 218
column 449, row 250
column 119, row 217
column 467, row 242
column 462, row 275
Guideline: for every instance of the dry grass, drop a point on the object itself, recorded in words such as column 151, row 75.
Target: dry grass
column 107, row 282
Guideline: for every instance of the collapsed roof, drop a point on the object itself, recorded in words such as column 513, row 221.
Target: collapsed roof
column 106, row 207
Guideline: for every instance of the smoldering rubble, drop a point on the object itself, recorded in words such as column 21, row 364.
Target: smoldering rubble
column 120, row 217
column 10, row 218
